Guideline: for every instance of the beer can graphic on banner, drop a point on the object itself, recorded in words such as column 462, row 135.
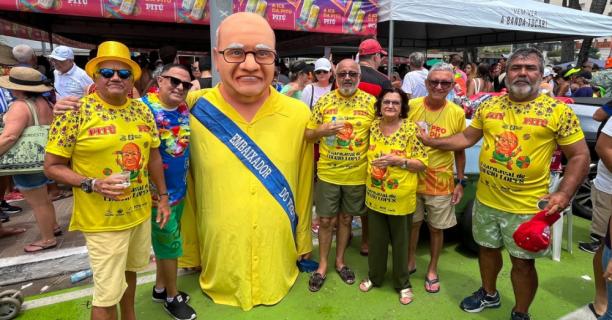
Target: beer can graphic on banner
column 358, row 21
column 127, row 7
column 261, row 7
column 46, row 4
column 306, row 9
column 187, row 5
column 115, row 2
column 354, row 9
column 313, row 17
column 251, row 6
column 198, row 9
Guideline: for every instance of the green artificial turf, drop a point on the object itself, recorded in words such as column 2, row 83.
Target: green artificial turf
column 562, row 290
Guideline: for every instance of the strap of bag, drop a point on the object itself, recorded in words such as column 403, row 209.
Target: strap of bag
column 311, row 95
column 32, row 108
column 249, row 153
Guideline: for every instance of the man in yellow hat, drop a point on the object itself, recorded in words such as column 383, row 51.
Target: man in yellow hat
column 108, row 150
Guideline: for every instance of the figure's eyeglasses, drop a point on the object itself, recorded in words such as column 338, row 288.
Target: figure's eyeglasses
column 321, row 71
column 238, row 55
column 351, row 74
column 443, row 84
column 175, row 82
column 109, row 73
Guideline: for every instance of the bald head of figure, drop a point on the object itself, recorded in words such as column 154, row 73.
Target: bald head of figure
column 245, row 56
column 348, row 74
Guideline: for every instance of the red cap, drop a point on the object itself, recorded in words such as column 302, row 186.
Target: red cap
column 609, row 63
column 371, row 46
column 534, row 235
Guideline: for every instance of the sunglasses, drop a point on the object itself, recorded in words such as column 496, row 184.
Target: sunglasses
column 109, row 73
column 442, row 84
column 321, row 71
column 176, row 81
column 351, row 74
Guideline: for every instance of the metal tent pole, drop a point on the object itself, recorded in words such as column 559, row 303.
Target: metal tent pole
column 390, row 51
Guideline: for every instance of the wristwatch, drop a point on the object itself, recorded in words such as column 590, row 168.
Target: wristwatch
column 87, row 185
column 462, row 182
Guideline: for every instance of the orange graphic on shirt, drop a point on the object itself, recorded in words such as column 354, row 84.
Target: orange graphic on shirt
column 130, row 159
column 436, row 181
column 345, row 136
column 506, row 148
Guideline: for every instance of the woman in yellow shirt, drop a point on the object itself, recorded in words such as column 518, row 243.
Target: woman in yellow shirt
column 395, row 155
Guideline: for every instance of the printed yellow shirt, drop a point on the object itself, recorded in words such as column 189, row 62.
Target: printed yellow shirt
column 392, row 190
column 232, row 226
column 519, row 140
column 100, row 140
column 438, row 177
column 343, row 156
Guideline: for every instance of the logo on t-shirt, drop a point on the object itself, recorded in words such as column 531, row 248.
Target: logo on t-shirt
column 507, row 148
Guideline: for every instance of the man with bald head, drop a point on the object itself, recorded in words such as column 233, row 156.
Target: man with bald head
column 250, row 194
column 341, row 123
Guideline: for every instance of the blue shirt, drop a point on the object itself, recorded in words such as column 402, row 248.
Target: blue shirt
column 174, row 134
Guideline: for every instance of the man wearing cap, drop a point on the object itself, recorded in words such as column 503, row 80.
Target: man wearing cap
column 70, row 80
column 112, row 199
column 370, row 58
column 521, row 130
column 340, row 122
column 603, row 79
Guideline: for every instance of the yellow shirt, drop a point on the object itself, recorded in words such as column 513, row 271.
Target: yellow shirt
column 392, row 190
column 233, row 228
column 438, row 178
column 343, row 156
column 100, row 140
column 519, row 140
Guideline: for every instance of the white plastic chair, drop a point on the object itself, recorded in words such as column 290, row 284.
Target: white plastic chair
column 557, row 227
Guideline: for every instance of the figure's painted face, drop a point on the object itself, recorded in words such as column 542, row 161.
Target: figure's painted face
column 378, row 173
column 130, row 155
column 506, row 143
column 346, row 132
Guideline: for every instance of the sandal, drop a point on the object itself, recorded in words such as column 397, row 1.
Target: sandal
column 366, row 285
column 35, row 247
column 406, row 296
column 346, row 274
column 412, row 271
column 58, row 231
column 316, row 282
column 432, row 285
column 592, row 308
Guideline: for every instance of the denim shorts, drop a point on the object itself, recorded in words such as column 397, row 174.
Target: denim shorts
column 30, row 181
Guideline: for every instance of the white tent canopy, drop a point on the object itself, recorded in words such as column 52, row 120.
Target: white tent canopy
column 462, row 23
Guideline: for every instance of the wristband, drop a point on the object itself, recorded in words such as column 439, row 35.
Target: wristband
column 462, row 182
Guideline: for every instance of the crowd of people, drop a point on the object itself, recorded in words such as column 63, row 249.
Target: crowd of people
column 223, row 178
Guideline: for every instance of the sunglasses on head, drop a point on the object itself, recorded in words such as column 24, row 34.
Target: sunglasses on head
column 176, row 81
column 109, row 73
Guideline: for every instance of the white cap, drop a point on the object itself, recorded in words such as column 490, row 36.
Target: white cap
column 62, row 53
column 322, row 64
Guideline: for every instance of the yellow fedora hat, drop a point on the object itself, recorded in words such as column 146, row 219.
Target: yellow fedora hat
column 112, row 51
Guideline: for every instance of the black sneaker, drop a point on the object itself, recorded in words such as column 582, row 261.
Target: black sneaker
column 161, row 297
column 515, row 315
column 5, row 207
column 4, row 217
column 179, row 309
column 589, row 247
column 480, row 300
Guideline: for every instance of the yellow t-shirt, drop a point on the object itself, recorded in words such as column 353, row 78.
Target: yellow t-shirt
column 392, row 190
column 519, row 140
column 438, row 178
column 100, row 140
column 343, row 156
column 232, row 226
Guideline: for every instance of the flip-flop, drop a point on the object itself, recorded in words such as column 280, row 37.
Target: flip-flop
column 363, row 253
column 38, row 247
column 406, row 296
column 7, row 232
column 316, row 282
column 592, row 308
column 412, row 271
column 58, row 231
column 430, row 285
column 366, row 285
column 346, row 274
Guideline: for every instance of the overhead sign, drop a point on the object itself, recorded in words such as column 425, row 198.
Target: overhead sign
column 328, row 16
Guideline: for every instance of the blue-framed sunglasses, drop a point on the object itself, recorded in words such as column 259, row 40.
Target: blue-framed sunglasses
column 109, row 73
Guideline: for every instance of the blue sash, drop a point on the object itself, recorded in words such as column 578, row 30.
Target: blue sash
column 249, row 154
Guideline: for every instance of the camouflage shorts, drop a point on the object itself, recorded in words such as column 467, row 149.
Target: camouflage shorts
column 493, row 228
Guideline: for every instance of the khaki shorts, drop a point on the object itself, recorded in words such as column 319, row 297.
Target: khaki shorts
column 601, row 211
column 332, row 198
column 438, row 209
column 494, row 228
column 111, row 253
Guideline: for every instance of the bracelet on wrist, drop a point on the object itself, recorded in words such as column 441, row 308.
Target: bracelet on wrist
column 164, row 194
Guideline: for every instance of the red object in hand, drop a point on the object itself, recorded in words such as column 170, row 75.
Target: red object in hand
column 534, row 235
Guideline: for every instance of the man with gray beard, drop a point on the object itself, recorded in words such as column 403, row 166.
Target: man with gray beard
column 521, row 130
column 340, row 121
